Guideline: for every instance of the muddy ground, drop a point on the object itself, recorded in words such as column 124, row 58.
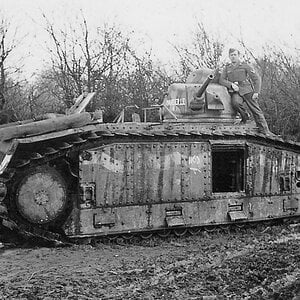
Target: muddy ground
column 261, row 263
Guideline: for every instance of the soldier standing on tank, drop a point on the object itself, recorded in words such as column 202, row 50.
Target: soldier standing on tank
column 244, row 86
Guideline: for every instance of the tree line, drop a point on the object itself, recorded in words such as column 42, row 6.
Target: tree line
column 105, row 60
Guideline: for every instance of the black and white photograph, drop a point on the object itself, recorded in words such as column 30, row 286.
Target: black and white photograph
column 149, row 150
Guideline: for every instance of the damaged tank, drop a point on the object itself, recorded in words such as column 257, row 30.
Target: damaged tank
column 188, row 165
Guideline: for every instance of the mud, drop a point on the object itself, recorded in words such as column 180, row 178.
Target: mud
column 247, row 264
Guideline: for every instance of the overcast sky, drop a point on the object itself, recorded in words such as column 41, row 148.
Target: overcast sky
column 160, row 22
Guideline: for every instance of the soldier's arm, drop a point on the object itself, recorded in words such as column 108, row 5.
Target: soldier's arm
column 255, row 78
column 223, row 78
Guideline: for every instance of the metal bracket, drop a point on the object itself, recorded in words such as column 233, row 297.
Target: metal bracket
column 174, row 217
column 87, row 195
column 237, row 215
column 236, row 212
column 104, row 220
column 80, row 103
column 149, row 213
column 290, row 204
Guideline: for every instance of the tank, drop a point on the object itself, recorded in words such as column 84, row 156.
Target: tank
column 188, row 165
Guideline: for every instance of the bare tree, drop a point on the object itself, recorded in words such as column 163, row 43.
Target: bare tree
column 78, row 59
column 105, row 61
column 205, row 51
column 6, row 47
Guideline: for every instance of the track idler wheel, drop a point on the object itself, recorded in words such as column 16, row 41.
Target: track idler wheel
column 41, row 195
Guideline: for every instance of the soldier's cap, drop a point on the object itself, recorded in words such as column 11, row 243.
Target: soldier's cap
column 233, row 50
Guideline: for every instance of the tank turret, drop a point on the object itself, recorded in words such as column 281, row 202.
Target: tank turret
column 200, row 99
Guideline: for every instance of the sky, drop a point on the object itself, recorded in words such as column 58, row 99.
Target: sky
column 159, row 23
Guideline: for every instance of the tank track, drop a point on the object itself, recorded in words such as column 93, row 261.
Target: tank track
column 48, row 238
column 55, row 149
column 173, row 235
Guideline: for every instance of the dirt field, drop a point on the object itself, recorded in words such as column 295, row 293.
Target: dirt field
column 249, row 264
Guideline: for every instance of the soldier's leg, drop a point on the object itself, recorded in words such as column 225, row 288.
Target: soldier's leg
column 257, row 113
column 239, row 106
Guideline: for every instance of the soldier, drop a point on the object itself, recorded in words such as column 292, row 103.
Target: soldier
column 244, row 85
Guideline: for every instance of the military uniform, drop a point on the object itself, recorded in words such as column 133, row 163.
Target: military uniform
column 249, row 82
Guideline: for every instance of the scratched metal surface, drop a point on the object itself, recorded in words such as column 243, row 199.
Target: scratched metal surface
column 136, row 183
column 266, row 166
column 138, row 173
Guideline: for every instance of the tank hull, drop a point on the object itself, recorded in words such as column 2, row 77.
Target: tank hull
column 138, row 177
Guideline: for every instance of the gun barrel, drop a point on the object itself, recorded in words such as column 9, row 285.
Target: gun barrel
column 204, row 85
